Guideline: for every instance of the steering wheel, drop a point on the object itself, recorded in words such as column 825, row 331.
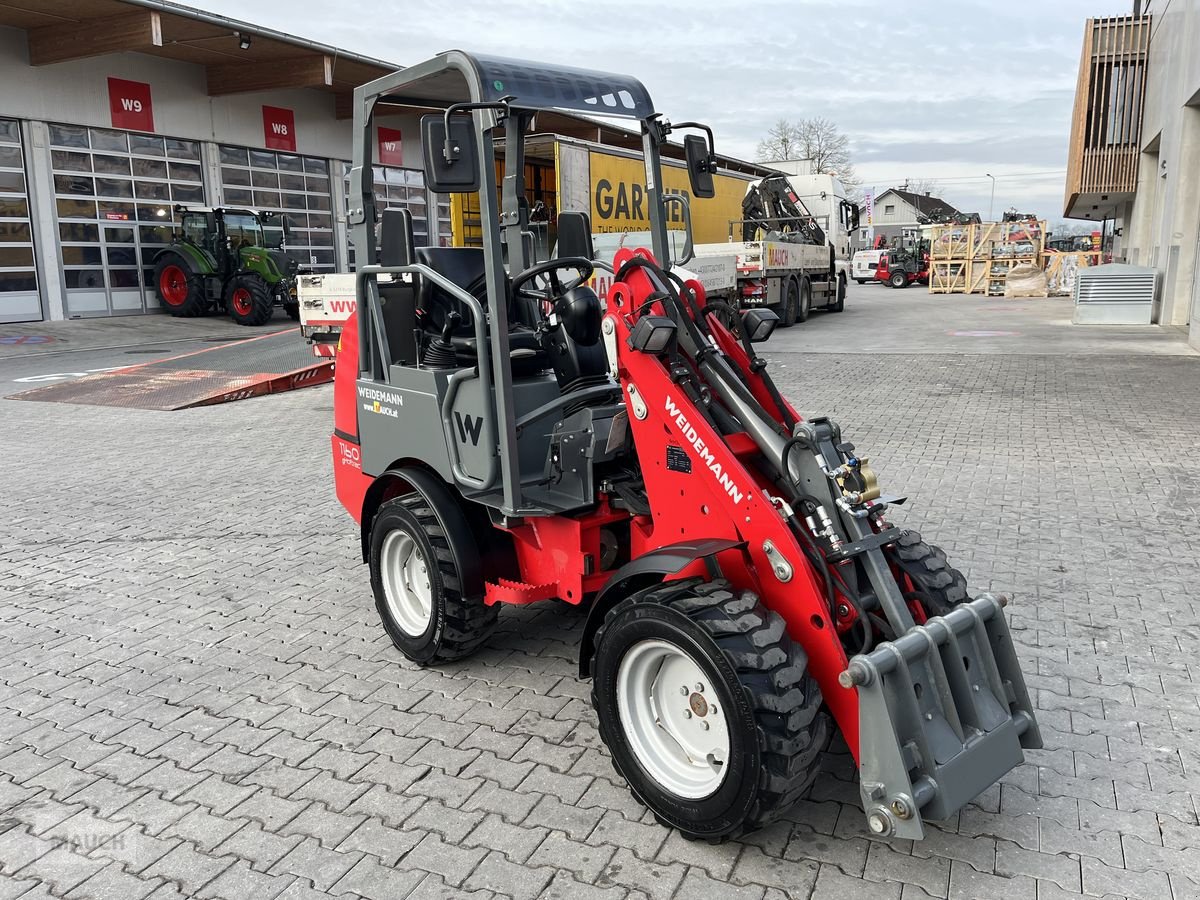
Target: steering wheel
column 550, row 267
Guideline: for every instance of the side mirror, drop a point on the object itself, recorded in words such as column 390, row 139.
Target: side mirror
column 575, row 235
column 679, row 258
column 459, row 175
column 700, row 165
column 759, row 323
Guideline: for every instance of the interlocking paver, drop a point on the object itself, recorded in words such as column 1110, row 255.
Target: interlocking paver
column 166, row 692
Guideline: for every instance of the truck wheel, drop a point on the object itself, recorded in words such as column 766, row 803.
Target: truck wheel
column 898, row 280
column 418, row 586
column 805, row 306
column 178, row 288
column 248, row 300
column 292, row 310
column 707, row 707
column 925, row 576
column 840, row 303
column 791, row 303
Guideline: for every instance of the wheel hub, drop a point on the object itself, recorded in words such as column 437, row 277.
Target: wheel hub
column 406, row 583
column 671, row 717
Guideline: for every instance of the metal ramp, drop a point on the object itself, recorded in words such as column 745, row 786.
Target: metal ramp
column 268, row 364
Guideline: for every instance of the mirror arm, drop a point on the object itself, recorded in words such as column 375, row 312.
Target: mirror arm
column 451, row 152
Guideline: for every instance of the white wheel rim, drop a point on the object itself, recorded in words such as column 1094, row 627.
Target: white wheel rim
column 673, row 719
column 407, row 586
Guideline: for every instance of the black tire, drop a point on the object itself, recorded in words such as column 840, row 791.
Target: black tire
column 172, row 276
column 805, row 305
column 898, row 280
column 861, row 280
column 777, row 729
column 292, row 310
column 937, row 585
column 788, row 309
column 458, row 624
column 248, row 300
column 840, row 303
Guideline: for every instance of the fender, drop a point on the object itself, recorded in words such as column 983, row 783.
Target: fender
column 642, row 572
column 445, row 508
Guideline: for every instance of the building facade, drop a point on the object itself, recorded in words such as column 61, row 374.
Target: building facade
column 108, row 122
column 896, row 212
column 1134, row 158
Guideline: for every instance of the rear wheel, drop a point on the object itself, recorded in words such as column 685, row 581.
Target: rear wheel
column 418, row 586
column 248, row 300
column 292, row 310
column 861, row 280
column 707, row 707
column 805, row 306
column 789, row 309
column 840, row 303
column 898, row 280
column 178, row 288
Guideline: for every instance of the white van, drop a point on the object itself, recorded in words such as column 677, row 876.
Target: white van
column 863, row 265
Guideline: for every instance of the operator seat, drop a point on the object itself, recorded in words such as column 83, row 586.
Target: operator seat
column 464, row 266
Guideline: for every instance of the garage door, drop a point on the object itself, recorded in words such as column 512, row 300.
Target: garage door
column 114, row 194
column 18, row 278
column 297, row 186
column 404, row 188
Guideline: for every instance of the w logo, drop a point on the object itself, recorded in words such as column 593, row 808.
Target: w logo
column 468, row 426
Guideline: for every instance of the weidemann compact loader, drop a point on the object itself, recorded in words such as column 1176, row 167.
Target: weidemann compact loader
column 502, row 436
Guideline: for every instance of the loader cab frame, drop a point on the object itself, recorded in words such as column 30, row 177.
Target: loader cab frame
column 473, row 106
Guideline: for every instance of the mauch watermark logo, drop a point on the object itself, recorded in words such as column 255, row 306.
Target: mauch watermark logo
column 79, row 841
column 378, row 401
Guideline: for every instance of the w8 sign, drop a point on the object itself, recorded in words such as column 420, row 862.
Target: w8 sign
column 279, row 128
column 130, row 105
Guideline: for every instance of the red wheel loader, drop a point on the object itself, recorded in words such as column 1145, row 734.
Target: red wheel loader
column 502, row 437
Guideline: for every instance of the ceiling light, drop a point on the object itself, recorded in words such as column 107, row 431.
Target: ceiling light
column 243, row 40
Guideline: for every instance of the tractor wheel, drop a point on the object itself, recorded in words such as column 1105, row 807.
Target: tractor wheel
column 925, row 576
column 292, row 310
column 805, row 306
column 840, row 303
column 248, row 300
column 898, row 280
column 790, row 306
column 178, row 288
column 418, row 586
column 707, row 707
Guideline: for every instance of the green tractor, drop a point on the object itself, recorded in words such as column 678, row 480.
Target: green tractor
column 233, row 258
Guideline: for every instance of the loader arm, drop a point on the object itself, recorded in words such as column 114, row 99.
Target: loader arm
column 935, row 710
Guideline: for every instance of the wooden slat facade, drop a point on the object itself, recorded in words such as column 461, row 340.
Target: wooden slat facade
column 1106, row 124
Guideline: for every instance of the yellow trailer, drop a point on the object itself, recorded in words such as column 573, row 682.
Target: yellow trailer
column 564, row 173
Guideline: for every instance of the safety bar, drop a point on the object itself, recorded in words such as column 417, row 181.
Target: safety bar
column 943, row 714
column 482, row 370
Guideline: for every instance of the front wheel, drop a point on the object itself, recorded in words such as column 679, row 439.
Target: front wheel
column 898, row 280
column 248, row 300
column 840, row 303
column 707, row 707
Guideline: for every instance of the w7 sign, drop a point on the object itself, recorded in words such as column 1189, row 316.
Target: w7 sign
column 279, row 128
column 390, row 152
column 130, row 105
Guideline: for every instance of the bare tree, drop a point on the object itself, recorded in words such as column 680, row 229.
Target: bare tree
column 817, row 139
column 921, row 185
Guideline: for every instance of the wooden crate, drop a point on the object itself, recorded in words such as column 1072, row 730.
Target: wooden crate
column 948, row 276
column 975, row 258
column 1061, row 269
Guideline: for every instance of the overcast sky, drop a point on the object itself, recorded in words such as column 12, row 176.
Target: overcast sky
column 947, row 91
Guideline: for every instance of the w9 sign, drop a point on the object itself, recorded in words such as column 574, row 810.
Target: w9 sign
column 279, row 128
column 130, row 105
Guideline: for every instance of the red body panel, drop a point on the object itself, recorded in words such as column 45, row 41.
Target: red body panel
column 348, row 478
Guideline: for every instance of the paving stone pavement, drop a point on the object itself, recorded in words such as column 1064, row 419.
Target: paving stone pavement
column 196, row 698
